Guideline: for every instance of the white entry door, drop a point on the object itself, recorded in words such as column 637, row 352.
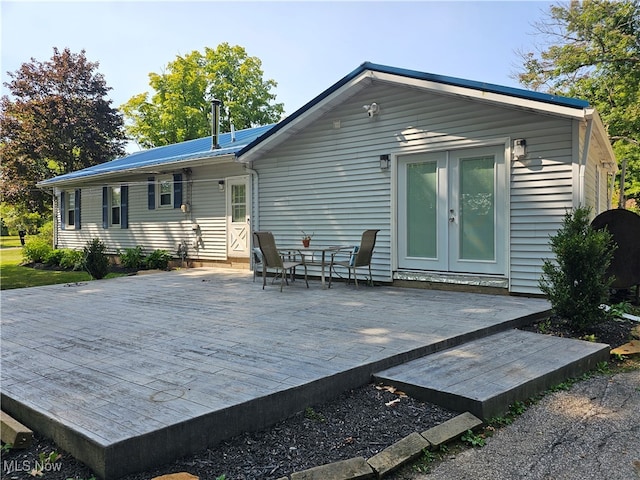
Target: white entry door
column 451, row 211
column 237, row 190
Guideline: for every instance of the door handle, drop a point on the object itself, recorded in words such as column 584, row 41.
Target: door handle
column 452, row 217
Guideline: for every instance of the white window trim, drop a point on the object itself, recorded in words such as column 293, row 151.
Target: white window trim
column 159, row 182
column 70, row 206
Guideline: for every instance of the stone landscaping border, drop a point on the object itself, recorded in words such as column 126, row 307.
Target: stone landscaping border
column 391, row 458
column 394, row 456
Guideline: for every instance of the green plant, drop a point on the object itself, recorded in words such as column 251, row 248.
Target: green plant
column 543, row 327
column 311, row 414
column 72, row 259
column 133, row 257
column 96, row 261
column 158, row 260
column 517, row 408
column 423, row 464
column 36, row 250
column 222, row 477
column 589, row 338
column 603, row 368
column 473, row 439
column 575, row 282
column 6, row 447
column 54, row 257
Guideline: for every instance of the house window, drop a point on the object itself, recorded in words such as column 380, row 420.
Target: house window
column 165, row 192
column 115, row 205
column 71, row 209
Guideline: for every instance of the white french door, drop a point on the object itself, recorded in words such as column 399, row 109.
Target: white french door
column 451, row 211
column 237, row 190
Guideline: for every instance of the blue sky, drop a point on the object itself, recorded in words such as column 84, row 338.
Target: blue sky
column 305, row 46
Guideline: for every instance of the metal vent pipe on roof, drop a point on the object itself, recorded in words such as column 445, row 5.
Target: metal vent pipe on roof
column 215, row 123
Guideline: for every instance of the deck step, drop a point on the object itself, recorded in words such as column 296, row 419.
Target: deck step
column 487, row 375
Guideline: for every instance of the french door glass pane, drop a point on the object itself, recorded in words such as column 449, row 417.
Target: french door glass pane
column 422, row 203
column 477, row 208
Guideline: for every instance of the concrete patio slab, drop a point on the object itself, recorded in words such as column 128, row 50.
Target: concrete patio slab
column 133, row 372
column 487, row 375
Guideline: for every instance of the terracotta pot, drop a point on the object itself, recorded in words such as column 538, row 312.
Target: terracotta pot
column 305, row 242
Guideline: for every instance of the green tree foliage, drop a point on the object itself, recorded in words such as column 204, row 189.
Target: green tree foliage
column 592, row 51
column 57, row 120
column 576, row 282
column 180, row 107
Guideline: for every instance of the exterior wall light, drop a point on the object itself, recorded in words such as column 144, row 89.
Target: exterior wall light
column 519, row 149
column 385, row 162
column 221, row 185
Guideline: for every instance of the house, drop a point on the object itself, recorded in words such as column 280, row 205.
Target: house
column 465, row 180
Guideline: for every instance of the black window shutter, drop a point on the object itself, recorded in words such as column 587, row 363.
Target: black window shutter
column 63, row 209
column 124, row 206
column 177, row 190
column 77, row 211
column 152, row 193
column 105, row 207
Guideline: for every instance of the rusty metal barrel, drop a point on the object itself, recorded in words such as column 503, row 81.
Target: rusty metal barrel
column 624, row 226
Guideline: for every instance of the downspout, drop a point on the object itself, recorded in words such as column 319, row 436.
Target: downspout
column 583, row 161
column 255, row 219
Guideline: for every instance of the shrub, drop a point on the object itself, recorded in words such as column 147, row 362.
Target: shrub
column 96, row 261
column 158, row 259
column 132, row 258
column 54, row 257
column 36, row 250
column 576, row 282
column 72, row 259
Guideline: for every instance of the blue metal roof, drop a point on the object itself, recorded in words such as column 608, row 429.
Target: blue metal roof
column 160, row 156
column 458, row 82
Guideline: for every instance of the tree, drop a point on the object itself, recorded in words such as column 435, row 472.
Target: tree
column 576, row 280
column 180, row 107
column 57, row 121
column 593, row 52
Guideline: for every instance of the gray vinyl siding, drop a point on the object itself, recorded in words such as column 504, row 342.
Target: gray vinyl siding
column 160, row 228
column 327, row 180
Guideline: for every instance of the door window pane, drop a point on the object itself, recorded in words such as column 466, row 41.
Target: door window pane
column 422, row 203
column 238, row 203
column 477, row 208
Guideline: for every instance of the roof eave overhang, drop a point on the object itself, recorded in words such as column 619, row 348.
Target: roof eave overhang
column 599, row 131
column 317, row 107
column 155, row 169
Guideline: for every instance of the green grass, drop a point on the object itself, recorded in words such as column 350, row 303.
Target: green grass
column 10, row 241
column 13, row 275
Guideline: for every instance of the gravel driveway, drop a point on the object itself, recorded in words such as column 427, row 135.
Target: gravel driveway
column 589, row 432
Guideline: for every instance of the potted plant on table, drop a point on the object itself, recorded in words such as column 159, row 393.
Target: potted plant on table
column 306, row 239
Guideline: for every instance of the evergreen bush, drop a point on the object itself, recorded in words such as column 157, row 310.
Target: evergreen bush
column 96, row 261
column 576, row 282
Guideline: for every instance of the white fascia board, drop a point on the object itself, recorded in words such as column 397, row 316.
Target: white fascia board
column 101, row 178
column 482, row 95
column 305, row 117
